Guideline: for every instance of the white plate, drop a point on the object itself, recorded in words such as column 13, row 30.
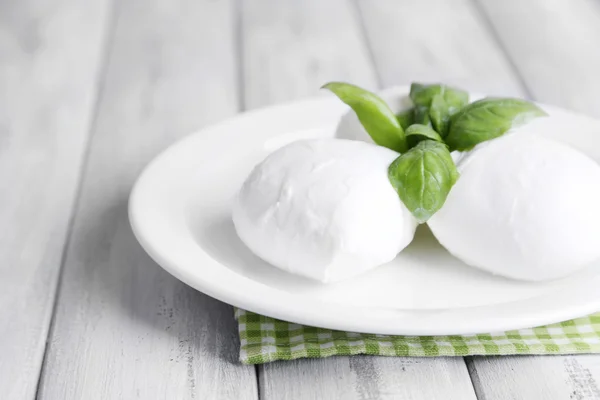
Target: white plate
column 180, row 213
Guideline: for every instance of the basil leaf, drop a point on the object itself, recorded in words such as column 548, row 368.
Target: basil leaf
column 405, row 118
column 420, row 132
column 373, row 113
column 421, row 115
column 422, row 95
column 442, row 109
column 423, row 177
column 439, row 114
column 488, row 119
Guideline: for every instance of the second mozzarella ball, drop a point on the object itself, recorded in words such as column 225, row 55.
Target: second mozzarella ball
column 524, row 207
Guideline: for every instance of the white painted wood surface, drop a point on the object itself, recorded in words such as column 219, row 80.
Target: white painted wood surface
column 555, row 46
column 543, row 377
column 435, row 41
column 291, row 49
column 48, row 85
column 367, row 377
column 123, row 327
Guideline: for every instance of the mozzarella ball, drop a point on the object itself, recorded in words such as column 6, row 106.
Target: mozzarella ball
column 524, row 207
column 323, row 209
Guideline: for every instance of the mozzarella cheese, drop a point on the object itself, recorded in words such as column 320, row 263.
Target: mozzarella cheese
column 524, row 207
column 323, row 209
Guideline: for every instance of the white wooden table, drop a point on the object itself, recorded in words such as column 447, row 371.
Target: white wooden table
column 91, row 90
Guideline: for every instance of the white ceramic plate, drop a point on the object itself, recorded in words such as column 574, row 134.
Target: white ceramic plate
column 180, row 213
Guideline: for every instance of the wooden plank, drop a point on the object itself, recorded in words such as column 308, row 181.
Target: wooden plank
column 367, row 377
column 123, row 327
column 290, row 49
column 554, row 45
column 50, row 57
column 541, row 377
column 435, row 41
column 549, row 41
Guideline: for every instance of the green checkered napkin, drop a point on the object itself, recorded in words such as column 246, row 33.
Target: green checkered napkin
column 265, row 339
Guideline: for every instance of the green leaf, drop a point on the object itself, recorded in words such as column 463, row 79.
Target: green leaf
column 488, row 119
column 442, row 109
column 405, row 118
column 439, row 114
column 422, row 95
column 373, row 113
column 421, row 115
column 440, row 102
column 420, row 132
column 423, row 177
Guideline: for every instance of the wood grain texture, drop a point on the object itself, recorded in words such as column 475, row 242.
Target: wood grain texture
column 367, row 377
column 554, row 45
column 290, row 49
column 123, row 327
column 542, row 377
column 435, row 41
column 549, row 42
column 48, row 86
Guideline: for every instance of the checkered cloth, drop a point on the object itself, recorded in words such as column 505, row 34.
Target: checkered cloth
column 265, row 339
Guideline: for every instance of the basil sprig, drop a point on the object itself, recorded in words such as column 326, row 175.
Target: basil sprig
column 373, row 113
column 423, row 178
column 488, row 119
column 440, row 121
